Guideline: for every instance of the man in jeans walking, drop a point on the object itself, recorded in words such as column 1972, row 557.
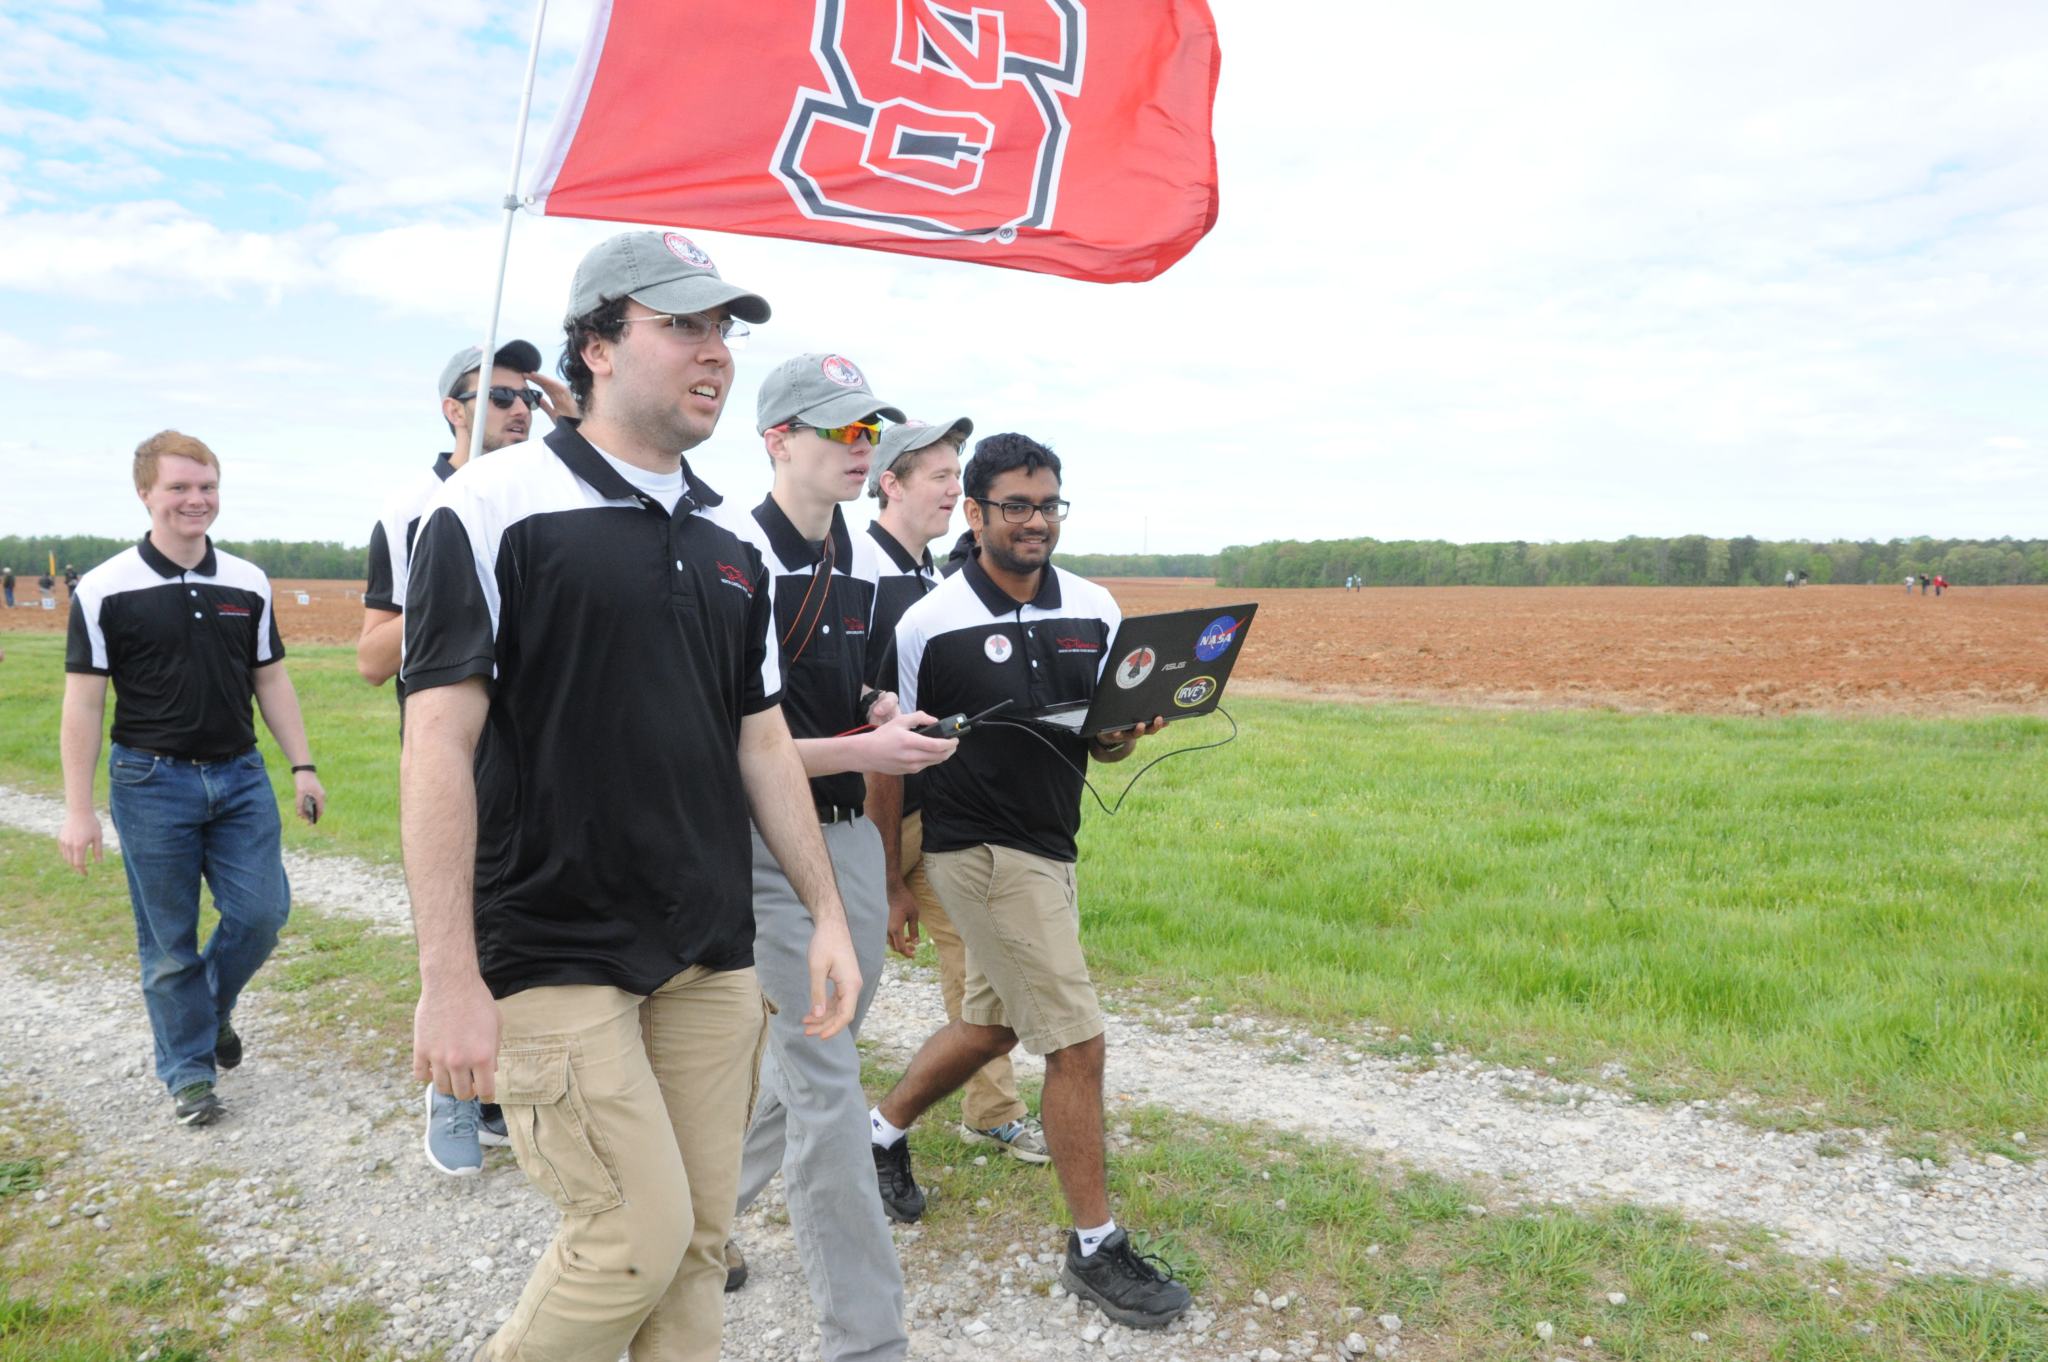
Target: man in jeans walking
column 186, row 635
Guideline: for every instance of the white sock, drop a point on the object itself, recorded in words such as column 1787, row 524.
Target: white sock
column 1091, row 1240
column 884, row 1135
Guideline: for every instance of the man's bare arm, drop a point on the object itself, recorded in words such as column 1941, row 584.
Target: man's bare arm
column 885, row 811
column 378, row 646
column 279, row 702
column 78, row 746
column 455, row 1026
column 779, row 798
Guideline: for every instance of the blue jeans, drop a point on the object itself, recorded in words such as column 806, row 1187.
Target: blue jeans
column 180, row 820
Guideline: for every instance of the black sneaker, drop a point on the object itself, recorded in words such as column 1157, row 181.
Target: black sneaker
column 902, row 1198
column 735, row 1267
column 197, row 1106
column 227, row 1046
column 1130, row 1287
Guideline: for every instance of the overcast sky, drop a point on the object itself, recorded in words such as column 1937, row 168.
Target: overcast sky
column 1483, row 271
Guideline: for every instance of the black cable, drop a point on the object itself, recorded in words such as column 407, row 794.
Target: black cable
column 1110, row 810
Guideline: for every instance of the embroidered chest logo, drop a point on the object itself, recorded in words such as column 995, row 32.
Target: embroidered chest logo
column 1071, row 644
column 733, row 576
column 853, row 624
column 996, row 647
column 232, row 611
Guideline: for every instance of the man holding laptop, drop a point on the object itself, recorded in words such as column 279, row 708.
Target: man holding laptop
column 999, row 826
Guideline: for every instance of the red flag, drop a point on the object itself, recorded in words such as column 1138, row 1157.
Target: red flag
column 1065, row 136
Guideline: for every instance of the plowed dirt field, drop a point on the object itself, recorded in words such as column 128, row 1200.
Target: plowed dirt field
column 1710, row 650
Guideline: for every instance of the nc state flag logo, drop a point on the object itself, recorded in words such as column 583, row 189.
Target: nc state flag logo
column 936, row 120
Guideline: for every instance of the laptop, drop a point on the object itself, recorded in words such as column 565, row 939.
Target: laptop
column 1172, row 665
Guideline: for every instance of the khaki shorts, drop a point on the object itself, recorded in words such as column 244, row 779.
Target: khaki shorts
column 1021, row 920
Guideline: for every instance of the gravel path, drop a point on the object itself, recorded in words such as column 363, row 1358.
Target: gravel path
column 339, row 1181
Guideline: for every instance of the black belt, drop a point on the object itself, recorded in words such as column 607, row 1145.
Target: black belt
column 837, row 813
column 196, row 761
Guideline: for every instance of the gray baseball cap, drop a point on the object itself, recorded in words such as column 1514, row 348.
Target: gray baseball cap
column 819, row 390
column 519, row 354
column 908, row 438
column 664, row 270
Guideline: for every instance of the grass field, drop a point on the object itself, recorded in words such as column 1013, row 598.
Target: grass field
column 1840, row 916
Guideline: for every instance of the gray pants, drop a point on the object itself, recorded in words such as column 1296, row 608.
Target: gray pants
column 812, row 1118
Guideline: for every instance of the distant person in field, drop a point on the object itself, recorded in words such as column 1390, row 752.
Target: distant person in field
column 1940, row 584
column 7, row 585
column 70, row 580
column 1924, row 580
column 1909, row 584
column 186, row 634
column 46, row 584
column 457, row 1129
column 916, row 477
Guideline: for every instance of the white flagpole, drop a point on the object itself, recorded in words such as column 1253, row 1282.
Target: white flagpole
column 511, row 205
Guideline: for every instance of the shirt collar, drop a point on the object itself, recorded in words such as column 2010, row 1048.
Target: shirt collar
column 209, row 566
column 791, row 546
column 443, row 469
column 1001, row 602
column 899, row 555
column 586, row 463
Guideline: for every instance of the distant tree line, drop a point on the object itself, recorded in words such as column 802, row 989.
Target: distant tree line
column 30, row 556
column 1688, row 560
column 1140, row 564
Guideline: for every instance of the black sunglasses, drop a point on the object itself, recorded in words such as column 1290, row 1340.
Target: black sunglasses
column 503, row 398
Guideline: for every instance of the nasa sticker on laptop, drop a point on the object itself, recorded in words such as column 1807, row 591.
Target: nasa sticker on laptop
column 997, row 647
column 1216, row 638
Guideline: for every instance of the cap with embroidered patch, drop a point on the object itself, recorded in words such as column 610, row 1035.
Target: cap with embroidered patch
column 818, row 390
column 663, row 270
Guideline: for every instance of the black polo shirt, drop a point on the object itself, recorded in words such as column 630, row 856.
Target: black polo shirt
column 822, row 618
column 391, row 540
column 181, row 646
column 622, row 645
column 968, row 645
column 904, row 582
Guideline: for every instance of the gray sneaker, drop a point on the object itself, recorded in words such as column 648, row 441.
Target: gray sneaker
column 1023, row 1139
column 196, row 1105
column 452, row 1142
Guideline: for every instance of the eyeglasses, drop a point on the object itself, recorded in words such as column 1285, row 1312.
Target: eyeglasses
column 1020, row 512
column 694, row 327
column 846, row 434
column 503, row 398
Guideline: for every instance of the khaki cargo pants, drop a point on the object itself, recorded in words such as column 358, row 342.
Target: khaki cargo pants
column 628, row 1113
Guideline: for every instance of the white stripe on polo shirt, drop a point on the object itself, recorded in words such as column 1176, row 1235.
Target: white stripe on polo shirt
column 126, row 571
column 953, row 605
